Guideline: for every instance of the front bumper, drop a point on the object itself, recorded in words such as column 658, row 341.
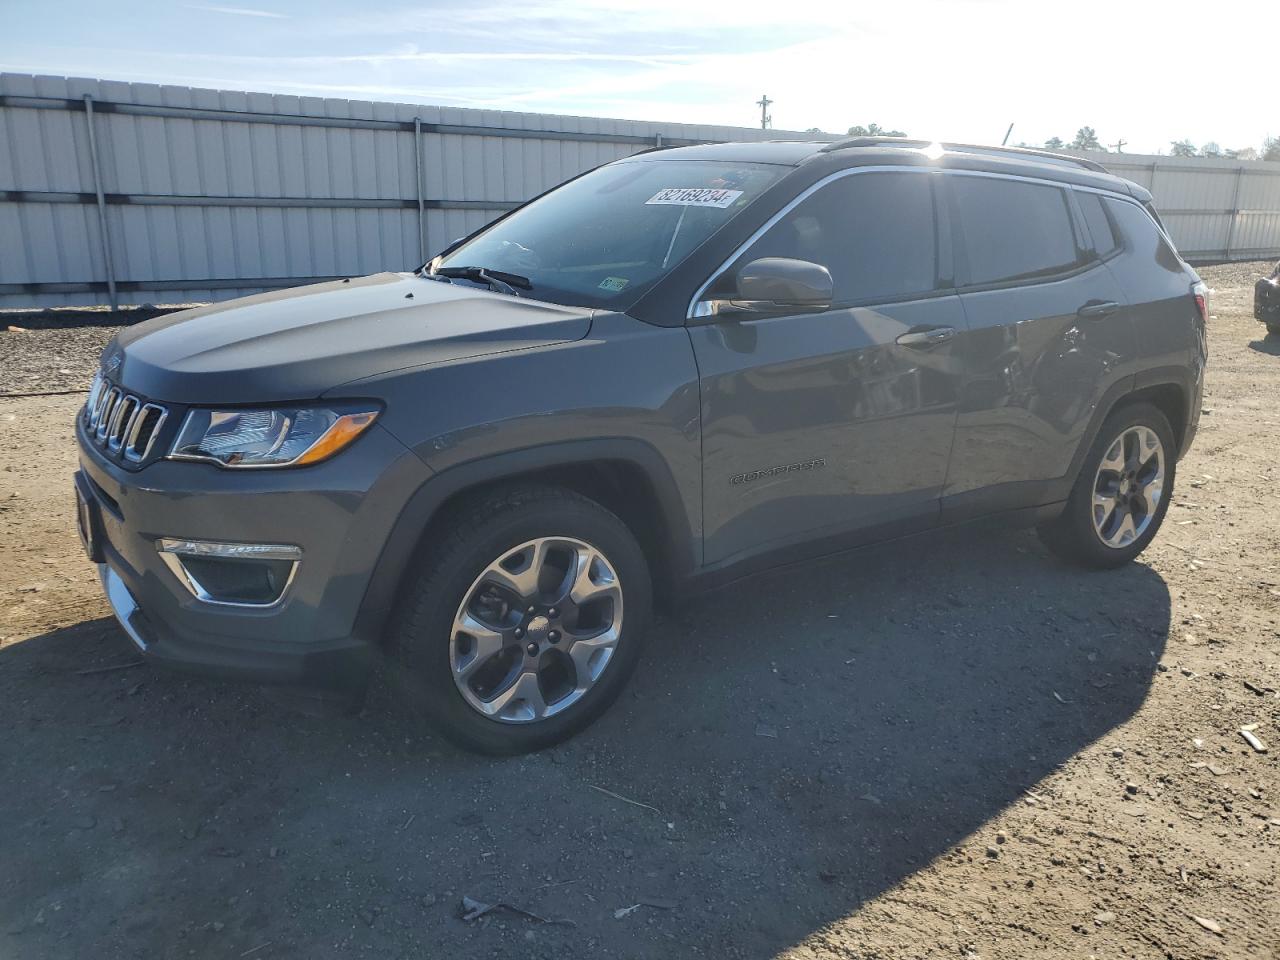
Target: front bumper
column 340, row 665
column 340, row 513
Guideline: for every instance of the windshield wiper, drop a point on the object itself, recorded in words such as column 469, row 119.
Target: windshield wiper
column 498, row 281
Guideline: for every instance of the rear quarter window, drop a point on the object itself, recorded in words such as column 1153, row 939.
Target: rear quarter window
column 1141, row 234
column 1013, row 230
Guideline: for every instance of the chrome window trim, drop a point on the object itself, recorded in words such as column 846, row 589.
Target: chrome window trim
column 1112, row 195
column 1086, row 259
column 696, row 302
column 692, row 312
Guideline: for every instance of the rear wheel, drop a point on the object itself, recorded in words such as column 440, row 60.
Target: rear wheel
column 1121, row 495
column 1273, row 329
column 526, row 620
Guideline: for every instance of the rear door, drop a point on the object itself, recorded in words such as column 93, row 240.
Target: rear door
column 839, row 421
column 1047, row 336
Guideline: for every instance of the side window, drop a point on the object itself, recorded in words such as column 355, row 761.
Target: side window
column 1143, row 236
column 873, row 231
column 1013, row 230
column 1104, row 236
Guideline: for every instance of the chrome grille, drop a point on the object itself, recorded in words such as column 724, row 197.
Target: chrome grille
column 123, row 424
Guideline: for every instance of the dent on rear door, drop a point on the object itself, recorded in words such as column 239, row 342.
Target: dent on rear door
column 1035, row 372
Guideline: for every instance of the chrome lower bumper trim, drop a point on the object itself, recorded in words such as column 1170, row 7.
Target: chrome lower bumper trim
column 122, row 603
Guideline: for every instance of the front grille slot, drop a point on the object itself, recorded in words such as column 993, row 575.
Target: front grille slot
column 123, row 424
column 146, row 425
column 121, row 421
column 109, row 404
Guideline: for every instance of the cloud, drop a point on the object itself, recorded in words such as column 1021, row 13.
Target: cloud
column 945, row 69
column 241, row 12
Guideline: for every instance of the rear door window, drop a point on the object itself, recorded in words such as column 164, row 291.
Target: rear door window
column 1013, row 230
column 1105, row 241
column 873, row 231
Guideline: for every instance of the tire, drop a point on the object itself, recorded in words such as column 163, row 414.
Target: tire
column 476, row 559
column 1273, row 329
column 1075, row 535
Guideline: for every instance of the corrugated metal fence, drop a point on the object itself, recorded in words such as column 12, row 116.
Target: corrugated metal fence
column 141, row 193
column 1214, row 209
column 170, row 194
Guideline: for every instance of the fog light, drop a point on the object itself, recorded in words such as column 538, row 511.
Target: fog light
column 237, row 574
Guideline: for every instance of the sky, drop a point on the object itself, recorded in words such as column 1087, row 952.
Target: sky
column 960, row 70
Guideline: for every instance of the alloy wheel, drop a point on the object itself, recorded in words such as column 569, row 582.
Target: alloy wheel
column 1128, row 487
column 536, row 630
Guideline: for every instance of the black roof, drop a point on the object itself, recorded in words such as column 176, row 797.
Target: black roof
column 864, row 151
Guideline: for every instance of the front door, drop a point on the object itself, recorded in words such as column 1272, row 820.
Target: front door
column 840, row 421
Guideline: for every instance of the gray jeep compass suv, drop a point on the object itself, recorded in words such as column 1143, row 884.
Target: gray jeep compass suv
column 674, row 368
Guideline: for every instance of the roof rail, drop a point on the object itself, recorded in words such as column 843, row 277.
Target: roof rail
column 848, row 142
column 1029, row 152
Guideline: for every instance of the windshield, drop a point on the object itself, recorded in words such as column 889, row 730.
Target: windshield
column 603, row 239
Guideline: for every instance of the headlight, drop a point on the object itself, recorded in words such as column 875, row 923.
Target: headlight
column 281, row 437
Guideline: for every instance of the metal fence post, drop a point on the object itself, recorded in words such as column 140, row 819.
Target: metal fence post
column 422, row 212
column 108, row 260
column 1235, row 210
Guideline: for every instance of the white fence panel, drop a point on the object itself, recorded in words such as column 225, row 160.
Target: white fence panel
column 1215, row 209
column 208, row 194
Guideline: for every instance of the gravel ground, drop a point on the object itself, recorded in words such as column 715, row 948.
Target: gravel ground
column 49, row 361
column 825, row 763
column 48, row 351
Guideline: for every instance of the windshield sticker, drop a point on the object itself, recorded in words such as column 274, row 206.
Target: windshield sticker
column 695, row 197
column 613, row 284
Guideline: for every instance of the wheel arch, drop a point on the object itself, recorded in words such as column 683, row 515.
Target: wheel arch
column 1169, row 398
column 626, row 476
column 1167, row 388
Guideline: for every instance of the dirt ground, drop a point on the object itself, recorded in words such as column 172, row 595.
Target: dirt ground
column 952, row 747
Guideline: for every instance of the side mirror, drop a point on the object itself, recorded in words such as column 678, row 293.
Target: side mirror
column 770, row 286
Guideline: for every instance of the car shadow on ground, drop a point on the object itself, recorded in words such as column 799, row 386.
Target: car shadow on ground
column 1268, row 344
column 791, row 747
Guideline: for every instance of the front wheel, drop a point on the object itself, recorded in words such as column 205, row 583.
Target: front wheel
column 1273, row 329
column 1122, row 492
column 525, row 621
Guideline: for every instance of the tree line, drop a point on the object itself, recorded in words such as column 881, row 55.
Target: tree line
column 1086, row 138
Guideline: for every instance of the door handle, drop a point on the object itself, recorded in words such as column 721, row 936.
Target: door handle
column 1097, row 309
column 926, row 338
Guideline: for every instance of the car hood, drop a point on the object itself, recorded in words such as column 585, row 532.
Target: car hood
column 296, row 344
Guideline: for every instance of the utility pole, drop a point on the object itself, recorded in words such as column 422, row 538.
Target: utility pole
column 1120, row 145
column 763, row 104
